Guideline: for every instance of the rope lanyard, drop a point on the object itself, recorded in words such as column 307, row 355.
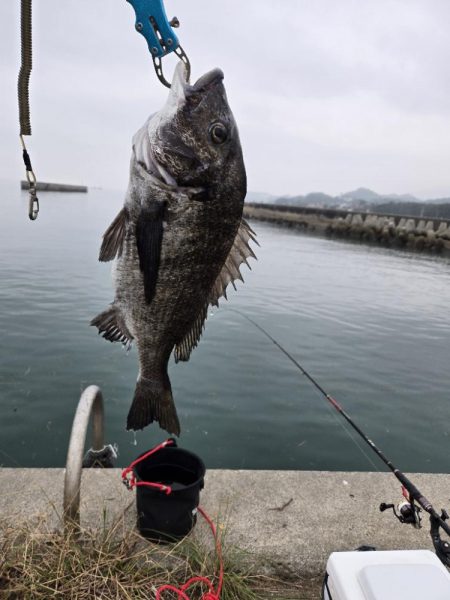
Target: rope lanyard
column 23, row 85
column 129, row 479
column 211, row 594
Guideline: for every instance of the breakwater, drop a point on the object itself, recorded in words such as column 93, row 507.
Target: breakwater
column 43, row 186
column 393, row 231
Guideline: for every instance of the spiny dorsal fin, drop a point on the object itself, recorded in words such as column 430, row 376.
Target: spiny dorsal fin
column 149, row 232
column 239, row 253
column 113, row 237
column 190, row 341
column 111, row 324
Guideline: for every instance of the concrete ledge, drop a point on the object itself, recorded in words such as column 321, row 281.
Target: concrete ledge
column 329, row 511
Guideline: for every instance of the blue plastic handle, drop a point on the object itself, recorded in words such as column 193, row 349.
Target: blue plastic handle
column 150, row 18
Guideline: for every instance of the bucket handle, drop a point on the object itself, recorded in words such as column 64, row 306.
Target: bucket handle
column 129, row 478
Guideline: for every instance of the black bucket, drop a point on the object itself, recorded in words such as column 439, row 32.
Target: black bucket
column 165, row 517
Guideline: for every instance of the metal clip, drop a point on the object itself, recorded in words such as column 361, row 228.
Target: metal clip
column 153, row 24
column 128, row 479
column 33, row 205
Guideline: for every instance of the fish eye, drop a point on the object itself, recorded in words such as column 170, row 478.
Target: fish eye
column 218, row 133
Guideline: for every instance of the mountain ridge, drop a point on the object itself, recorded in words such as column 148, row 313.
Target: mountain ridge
column 364, row 200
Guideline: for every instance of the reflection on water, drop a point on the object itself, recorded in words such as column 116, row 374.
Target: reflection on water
column 372, row 325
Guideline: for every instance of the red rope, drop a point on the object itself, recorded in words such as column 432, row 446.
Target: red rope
column 211, row 594
column 129, row 479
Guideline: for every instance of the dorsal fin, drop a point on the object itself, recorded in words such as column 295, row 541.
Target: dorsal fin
column 190, row 341
column 239, row 253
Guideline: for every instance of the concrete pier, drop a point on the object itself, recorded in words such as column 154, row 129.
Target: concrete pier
column 289, row 520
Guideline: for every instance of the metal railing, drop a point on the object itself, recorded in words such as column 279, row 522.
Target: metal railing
column 91, row 402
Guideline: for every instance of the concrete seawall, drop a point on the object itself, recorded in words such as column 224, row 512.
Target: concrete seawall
column 289, row 520
column 393, row 231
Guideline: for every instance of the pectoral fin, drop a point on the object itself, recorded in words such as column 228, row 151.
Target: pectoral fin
column 113, row 237
column 149, row 234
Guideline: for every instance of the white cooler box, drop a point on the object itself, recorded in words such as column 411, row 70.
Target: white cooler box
column 393, row 575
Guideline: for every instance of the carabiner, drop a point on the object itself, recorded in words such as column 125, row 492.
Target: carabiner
column 33, row 205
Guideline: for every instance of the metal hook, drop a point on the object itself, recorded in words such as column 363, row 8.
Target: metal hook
column 157, row 63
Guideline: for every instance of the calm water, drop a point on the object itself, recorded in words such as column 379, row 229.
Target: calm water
column 372, row 325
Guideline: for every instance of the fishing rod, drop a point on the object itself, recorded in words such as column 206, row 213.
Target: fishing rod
column 408, row 511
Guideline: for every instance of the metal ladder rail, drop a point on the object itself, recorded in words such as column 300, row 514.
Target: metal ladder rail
column 91, row 402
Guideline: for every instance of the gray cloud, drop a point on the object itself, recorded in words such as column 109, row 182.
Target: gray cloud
column 328, row 95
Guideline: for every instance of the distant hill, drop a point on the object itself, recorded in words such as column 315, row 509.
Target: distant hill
column 364, row 200
column 318, row 199
column 361, row 194
column 260, row 197
column 373, row 198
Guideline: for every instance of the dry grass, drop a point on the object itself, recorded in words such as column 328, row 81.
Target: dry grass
column 116, row 563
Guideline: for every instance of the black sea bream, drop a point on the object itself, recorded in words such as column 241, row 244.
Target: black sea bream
column 179, row 239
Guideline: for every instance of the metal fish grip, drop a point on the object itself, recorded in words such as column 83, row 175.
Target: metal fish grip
column 153, row 24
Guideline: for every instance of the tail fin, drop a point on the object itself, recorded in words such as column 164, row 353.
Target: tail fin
column 153, row 401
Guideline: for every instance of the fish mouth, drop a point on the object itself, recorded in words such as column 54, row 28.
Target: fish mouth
column 182, row 88
column 205, row 82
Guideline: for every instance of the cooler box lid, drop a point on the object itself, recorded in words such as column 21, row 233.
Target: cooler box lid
column 388, row 575
column 414, row 582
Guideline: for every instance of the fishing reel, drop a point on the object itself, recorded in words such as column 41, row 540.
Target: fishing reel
column 441, row 546
column 406, row 512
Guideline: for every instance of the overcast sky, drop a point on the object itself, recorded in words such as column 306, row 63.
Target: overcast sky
column 328, row 95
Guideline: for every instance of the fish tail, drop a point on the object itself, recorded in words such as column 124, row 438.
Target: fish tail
column 153, row 401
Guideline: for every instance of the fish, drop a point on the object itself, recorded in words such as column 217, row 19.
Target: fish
column 179, row 240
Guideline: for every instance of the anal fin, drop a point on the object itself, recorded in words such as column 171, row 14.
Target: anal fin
column 111, row 325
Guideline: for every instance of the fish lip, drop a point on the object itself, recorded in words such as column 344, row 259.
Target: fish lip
column 203, row 83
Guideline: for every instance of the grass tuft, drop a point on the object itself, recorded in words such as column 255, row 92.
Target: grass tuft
column 116, row 563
